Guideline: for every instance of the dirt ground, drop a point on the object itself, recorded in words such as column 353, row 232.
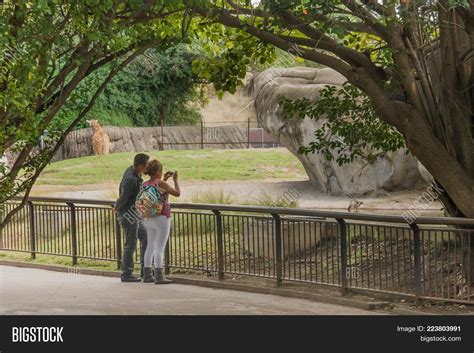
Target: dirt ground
column 301, row 191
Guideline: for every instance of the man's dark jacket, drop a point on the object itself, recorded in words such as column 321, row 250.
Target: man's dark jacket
column 128, row 191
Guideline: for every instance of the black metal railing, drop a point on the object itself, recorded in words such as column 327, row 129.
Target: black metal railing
column 430, row 259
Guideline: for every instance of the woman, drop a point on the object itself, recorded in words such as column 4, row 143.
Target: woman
column 158, row 227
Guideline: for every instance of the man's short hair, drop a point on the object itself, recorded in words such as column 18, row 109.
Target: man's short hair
column 140, row 159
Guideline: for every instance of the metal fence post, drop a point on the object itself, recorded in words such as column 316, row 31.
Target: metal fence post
column 32, row 230
column 248, row 133
column 278, row 250
column 167, row 257
column 343, row 248
column 202, row 134
column 220, row 244
column 162, row 134
column 118, row 244
column 417, row 259
column 73, row 232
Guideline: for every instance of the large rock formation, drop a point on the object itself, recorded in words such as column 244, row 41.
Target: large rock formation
column 391, row 171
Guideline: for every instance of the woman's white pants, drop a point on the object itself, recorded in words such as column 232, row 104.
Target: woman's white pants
column 157, row 232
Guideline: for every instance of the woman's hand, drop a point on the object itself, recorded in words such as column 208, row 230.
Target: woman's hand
column 175, row 191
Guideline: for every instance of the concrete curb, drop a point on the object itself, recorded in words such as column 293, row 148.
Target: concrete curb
column 58, row 268
column 221, row 285
column 408, row 312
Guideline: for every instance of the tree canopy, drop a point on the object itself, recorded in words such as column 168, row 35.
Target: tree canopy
column 159, row 83
column 50, row 47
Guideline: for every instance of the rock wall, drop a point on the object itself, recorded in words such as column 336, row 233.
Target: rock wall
column 79, row 142
column 391, row 171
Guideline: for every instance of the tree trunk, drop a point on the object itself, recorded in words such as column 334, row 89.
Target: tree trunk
column 456, row 98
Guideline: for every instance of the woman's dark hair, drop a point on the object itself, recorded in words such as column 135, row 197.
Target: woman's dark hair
column 154, row 167
column 140, row 159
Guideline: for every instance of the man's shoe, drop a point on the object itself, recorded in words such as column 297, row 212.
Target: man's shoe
column 131, row 279
column 160, row 278
column 147, row 275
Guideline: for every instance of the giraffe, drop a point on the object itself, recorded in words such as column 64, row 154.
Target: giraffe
column 100, row 140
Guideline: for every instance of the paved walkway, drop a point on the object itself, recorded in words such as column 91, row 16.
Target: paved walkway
column 43, row 292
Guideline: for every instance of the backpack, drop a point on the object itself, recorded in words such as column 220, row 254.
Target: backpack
column 149, row 201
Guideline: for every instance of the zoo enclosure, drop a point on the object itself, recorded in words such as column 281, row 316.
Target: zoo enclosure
column 431, row 259
column 217, row 134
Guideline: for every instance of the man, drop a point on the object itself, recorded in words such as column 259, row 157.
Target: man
column 128, row 217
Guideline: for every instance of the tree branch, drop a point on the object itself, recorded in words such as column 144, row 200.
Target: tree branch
column 58, row 144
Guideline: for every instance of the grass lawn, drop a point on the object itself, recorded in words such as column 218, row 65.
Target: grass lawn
column 199, row 165
column 59, row 260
